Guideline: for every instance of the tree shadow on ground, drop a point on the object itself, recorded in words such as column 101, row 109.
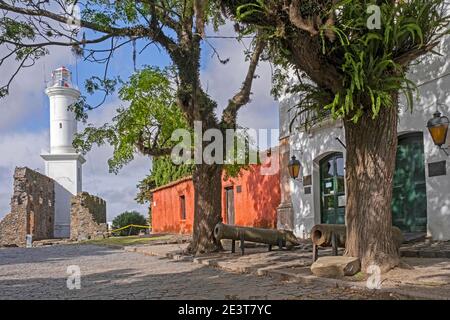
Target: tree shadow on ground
column 201, row 283
column 47, row 254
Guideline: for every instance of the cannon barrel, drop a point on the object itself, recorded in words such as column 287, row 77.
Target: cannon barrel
column 266, row 236
column 321, row 235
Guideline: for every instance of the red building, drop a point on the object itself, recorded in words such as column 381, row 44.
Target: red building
column 251, row 199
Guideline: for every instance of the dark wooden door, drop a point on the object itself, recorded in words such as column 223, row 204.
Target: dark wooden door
column 183, row 207
column 409, row 203
column 332, row 190
column 229, row 195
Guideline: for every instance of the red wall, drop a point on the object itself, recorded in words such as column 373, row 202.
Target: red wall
column 255, row 205
column 166, row 208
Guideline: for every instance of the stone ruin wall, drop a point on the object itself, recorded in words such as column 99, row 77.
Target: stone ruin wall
column 88, row 217
column 32, row 209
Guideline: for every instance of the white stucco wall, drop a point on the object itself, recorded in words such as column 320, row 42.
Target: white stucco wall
column 67, row 174
column 438, row 188
column 309, row 148
column 62, row 212
column 63, row 125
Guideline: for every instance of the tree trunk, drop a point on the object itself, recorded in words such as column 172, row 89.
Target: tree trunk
column 207, row 208
column 207, row 179
column 370, row 165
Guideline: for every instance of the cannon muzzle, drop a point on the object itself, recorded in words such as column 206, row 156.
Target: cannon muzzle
column 321, row 235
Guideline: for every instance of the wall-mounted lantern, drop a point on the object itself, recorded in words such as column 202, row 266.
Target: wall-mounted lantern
column 294, row 167
column 438, row 127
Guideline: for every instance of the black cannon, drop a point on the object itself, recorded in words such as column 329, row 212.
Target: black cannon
column 271, row 237
column 334, row 235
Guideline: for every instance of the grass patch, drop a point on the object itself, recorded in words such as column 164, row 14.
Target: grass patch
column 126, row 241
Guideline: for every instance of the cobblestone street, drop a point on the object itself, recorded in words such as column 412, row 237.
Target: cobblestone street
column 41, row 273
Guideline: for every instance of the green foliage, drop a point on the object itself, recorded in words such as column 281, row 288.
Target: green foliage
column 369, row 56
column 127, row 218
column 374, row 63
column 129, row 12
column 113, row 13
column 150, row 119
column 250, row 9
column 241, row 155
column 163, row 172
column 15, row 30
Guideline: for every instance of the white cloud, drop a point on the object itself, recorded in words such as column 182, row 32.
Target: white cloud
column 26, row 103
column 118, row 190
column 18, row 150
column 24, row 149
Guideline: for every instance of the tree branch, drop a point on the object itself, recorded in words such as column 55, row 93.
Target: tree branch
column 243, row 96
column 58, row 43
column 295, row 17
column 151, row 151
column 136, row 31
column 407, row 57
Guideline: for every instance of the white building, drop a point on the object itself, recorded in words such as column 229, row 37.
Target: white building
column 62, row 163
column 422, row 182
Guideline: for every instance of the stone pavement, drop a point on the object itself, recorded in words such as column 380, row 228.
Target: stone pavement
column 107, row 273
column 426, row 249
column 416, row 278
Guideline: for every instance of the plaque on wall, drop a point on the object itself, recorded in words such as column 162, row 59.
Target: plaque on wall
column 436, row 169
column 238, row 189
column 341, row 201
column 307, row 190
column 307, row 180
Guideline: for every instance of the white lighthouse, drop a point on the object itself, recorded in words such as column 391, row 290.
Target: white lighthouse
column 63, row 164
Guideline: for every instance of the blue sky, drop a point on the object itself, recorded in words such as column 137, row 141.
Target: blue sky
column 24, row 116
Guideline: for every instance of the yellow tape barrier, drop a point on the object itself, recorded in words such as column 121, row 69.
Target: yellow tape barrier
column 129, row 226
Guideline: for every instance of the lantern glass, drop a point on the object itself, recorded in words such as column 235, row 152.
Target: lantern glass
column 294, row 168
column 438, row 128
column 439, row 134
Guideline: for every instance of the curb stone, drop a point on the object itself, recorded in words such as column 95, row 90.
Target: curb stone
column 111, row 246
column 169, row 255
column 311, row 279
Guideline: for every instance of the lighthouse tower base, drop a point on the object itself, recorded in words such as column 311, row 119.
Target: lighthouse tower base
column 66, row 170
